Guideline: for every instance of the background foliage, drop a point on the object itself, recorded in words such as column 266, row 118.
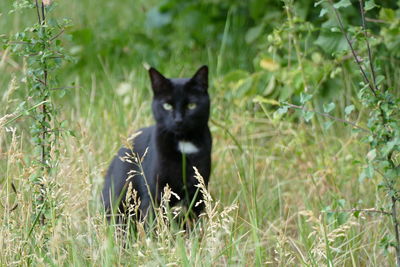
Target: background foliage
column 289, row 177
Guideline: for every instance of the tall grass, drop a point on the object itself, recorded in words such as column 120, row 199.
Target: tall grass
column 281, row 183
column 275, row 200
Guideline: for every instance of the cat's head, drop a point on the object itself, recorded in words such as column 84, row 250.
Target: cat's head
column 181, row 106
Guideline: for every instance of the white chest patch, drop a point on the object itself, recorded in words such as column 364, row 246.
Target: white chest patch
column 187, row 147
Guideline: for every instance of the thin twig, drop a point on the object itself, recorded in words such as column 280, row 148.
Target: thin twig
column 296, row 44
column 57, row 35
column 396, row 230
column 229, row 133
column 372, row 210
column 66, row 87
column 328, row 116
column 352, row 49
column 15, row 192
column 394, row 199
column 43, row 122
column 14, row 207
column 43, row 14
column 368, row 46
column 20, row 42
column 37, row 11
column 42, row 82
column 55, row 57
column 376, row 20
column 36, row 54
column 16, row 204
column 19, row 115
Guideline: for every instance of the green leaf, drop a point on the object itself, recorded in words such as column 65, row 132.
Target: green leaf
column 385, row 243
column 342, row 3
column 356, row 213
column 308, row 115
column 388, row 15
column 379, row 79
column 389, row 146
column 328, row 124
column 319, row 2
column 391, row 174
column 331, row 42
column 304, row 97
column 157, row 19
column 369, row 5
column 253, row 33
column 342, row 218
column 323, row 12
column 282, row 110
column 63, row 124
column 244, row 87
column 52, row 22
column 371, row 155
column 368, row 172
column 362, row 177
column 328, row 108
column 335, row 29
column 61, row 93
column 348, row 110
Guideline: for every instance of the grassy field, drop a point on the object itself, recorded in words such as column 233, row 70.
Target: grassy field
column 279, row 186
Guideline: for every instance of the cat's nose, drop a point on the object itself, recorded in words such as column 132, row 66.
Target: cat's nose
column 178, row 119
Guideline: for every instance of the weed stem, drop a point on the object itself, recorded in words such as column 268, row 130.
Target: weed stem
column 353, row 51
column 396, row 230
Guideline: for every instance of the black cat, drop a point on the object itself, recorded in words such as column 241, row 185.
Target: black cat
column 181, row 109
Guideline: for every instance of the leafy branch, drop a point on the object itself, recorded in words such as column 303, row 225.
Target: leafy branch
column 353, row 51
column 383, row 123
column 39, row 44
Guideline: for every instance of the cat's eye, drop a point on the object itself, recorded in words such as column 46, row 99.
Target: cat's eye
column 167, row 106
column 191, row 106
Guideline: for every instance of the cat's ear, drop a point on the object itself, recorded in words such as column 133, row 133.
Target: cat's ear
column 201, row 77
column 158, row 81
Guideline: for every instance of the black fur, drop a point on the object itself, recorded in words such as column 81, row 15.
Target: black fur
column 162, row 164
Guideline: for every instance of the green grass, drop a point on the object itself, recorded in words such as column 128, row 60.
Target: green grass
column 273, row 193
